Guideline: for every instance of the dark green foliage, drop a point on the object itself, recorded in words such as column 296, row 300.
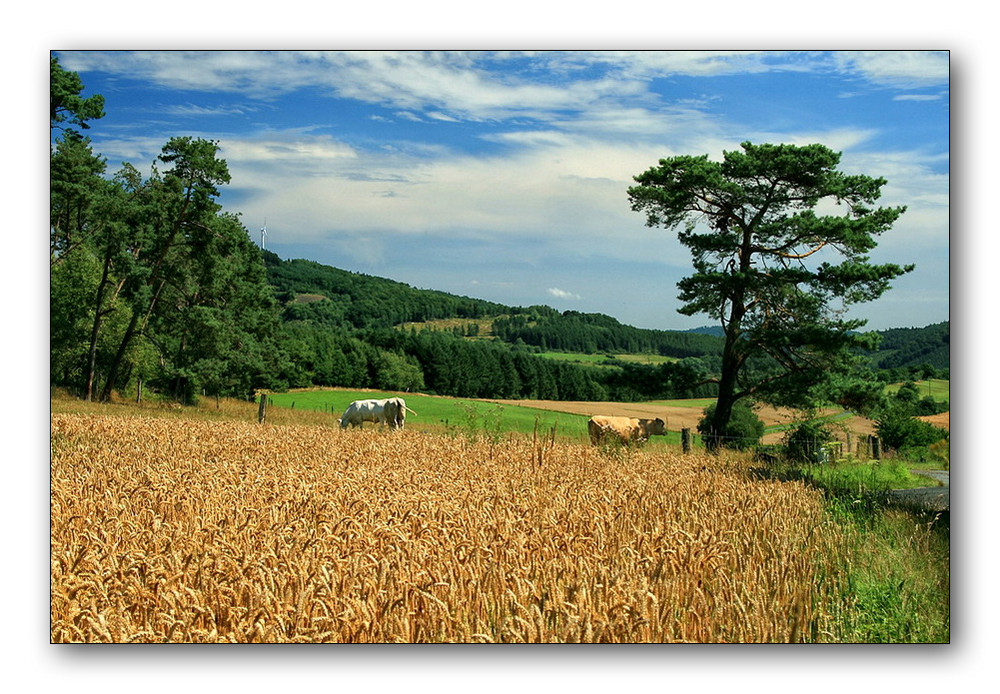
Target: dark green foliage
column 909, row 348
column 804, row 442
column 65, row 103
column 897, row 423
column 751, row 225
column 908, row 400
column 900, row 430
column 592, row 333
column 153, row 285
column 361, row 301
column 742, row 431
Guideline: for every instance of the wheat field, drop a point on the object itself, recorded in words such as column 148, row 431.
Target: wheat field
column 168, row 530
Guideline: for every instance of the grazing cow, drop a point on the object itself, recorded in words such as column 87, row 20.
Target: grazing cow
column 624, row 429
column 391, row 411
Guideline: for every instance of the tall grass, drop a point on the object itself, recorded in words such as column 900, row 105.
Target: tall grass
column 899, row 577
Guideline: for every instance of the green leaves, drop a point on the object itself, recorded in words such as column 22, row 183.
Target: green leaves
column 764, row 261
column 65, row 103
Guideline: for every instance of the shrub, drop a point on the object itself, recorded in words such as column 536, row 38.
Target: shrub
column 743, row 431
column 805, row 441
column 899, row 430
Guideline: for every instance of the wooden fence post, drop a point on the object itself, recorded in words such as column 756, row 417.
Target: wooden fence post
column 876, row 447
column 686, row 440
column 262, row 411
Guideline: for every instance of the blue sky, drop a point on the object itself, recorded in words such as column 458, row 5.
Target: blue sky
column 503, row 175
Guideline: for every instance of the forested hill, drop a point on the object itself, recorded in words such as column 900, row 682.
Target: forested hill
column 913, row 347
column 338, row 298
column 354, row 300
column 325, row 295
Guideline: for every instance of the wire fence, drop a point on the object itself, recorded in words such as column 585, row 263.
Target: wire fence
column 814, row 450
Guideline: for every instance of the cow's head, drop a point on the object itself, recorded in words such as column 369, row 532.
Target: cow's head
column 656, row 426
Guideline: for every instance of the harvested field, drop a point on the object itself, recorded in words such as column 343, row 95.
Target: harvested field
column 942, row 420
column 172, row 530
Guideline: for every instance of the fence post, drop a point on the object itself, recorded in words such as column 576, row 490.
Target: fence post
column 262, row 411
column 686, row 440
column 876, row 447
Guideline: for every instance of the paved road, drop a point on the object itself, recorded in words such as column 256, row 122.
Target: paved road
column 937, row 498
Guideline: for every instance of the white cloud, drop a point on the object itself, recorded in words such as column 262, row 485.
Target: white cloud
column 567, row 141
column 563, row 294
column 463, row 85
column 899, row 69
column 918, row 97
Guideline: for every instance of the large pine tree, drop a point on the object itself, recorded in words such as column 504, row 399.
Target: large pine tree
column 779, row 240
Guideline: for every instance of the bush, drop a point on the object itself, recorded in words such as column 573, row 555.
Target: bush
column 805, row 441
column 743, row 431
column 898, row 430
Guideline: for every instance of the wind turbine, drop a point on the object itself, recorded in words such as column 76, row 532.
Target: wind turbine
column 263, row 234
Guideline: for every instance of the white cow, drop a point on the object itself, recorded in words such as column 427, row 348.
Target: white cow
column 391, row 411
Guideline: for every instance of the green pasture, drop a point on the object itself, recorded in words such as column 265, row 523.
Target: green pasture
column 937, row 388
column 576, row 358
column 440, row 414
column 462, row 416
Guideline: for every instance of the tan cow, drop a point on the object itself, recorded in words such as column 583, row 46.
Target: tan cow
column 624, row 429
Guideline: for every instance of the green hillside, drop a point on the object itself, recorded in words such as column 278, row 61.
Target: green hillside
column 914, row 347
column 352, row 330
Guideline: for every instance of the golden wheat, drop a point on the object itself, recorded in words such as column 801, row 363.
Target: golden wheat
column 212, row 531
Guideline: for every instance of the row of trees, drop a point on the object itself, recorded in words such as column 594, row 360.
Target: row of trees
column 441, row 363
column 592, row 333
column 152, row 283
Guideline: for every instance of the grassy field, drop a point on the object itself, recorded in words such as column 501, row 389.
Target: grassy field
column 937, row 388
column 440, row 414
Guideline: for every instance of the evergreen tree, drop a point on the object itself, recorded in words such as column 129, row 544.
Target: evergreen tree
column 751, row 224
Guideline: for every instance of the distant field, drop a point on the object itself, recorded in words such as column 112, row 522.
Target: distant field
column 568, row 418
column 937, row 388
column 484, row 325
column 600, row 359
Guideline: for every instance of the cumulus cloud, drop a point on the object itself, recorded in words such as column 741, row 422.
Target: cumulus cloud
column 563, row 294
column 560, row 137
column 899, row 69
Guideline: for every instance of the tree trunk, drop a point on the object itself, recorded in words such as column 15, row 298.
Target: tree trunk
column 109, row 384
column 732, row 360
column 727, row 396
column 98, row 315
